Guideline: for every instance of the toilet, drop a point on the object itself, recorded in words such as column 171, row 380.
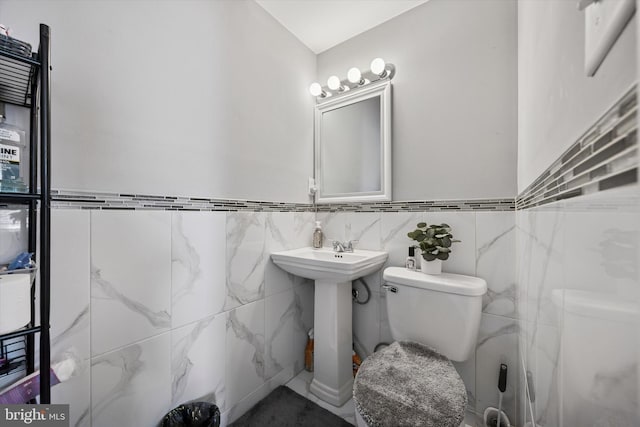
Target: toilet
column 434, row 320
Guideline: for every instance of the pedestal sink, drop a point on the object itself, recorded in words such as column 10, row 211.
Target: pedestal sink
column 333, row 273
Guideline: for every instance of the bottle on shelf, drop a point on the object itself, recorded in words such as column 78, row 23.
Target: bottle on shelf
column 356, row 362
column 318, row 236
column 410, row 263
column 308, row 352
column 14, row 165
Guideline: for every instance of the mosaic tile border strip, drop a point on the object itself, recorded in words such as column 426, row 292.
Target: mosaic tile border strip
column 120, row 201
column 605, row 157
column 421, row 206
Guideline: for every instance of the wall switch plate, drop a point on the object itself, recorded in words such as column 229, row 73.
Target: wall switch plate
column 604, row 21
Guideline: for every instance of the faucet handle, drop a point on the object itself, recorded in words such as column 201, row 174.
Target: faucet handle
column 350, row 245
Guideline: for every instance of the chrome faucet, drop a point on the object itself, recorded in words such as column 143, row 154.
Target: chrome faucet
column 347, row 246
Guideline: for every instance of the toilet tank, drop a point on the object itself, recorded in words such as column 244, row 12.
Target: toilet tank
column 441, row 311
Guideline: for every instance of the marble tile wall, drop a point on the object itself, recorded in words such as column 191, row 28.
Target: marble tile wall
column 487, row 250
column 578, row 277
column 161, row 308
column 194, row 298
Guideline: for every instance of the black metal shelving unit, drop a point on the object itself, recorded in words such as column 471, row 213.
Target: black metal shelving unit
column 25, row 82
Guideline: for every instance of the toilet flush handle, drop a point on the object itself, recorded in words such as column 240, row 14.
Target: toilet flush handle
column 390, row 288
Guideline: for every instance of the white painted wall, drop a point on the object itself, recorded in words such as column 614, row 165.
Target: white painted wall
column 454, row 96
column 175, row 97
column 556, row 101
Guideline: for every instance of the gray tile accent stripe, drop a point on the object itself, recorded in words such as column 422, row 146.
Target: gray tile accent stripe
column 424, row 205
column 124, row 201
column 605, row 157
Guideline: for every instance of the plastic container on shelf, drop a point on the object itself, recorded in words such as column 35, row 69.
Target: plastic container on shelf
column 14, row 156
column 15, row 46
column 14, row 232
column 15, row 299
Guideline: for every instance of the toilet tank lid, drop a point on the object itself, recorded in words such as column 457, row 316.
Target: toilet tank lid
column 445, row 282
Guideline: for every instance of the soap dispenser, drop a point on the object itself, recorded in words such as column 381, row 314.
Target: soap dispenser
column 318, row 237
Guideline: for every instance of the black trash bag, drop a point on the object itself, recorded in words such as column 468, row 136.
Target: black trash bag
column 195, row 414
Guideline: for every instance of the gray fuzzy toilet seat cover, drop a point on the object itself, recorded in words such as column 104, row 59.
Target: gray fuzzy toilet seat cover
column 408, row 384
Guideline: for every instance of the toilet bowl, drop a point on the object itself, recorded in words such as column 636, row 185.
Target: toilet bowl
column 434, row 320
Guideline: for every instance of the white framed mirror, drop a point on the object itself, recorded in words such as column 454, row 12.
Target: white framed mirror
column 353, row 145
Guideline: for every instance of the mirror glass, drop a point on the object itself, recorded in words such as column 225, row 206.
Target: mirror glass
column 353, row 161
column 351, row 148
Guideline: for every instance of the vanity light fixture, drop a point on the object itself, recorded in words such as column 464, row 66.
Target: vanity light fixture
column 355, row 76
column 335, row 86
column 334, row 83
column 381, row 68
column 316, row 90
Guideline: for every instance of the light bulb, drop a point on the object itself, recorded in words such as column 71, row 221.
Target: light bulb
column 334, row 83
column 354, row 75
column 315, row 89
column 377, row 66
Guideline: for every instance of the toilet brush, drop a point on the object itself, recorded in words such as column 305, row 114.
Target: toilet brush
column 495, row 417
column 502, row 386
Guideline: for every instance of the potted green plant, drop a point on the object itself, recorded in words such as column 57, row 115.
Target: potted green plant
column 435, row 243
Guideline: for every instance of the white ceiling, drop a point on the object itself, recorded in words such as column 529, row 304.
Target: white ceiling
column 322, row 24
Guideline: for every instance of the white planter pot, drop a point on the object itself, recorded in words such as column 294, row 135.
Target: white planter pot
column 431, row 267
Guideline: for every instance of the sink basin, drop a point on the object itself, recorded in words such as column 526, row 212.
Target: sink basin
column 333, row 273
column 325, row 264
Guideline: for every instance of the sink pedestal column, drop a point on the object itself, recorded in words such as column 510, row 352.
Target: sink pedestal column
column 332, row 362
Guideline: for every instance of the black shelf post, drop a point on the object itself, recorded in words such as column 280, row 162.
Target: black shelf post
column 33, row 205
column 45, row 214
